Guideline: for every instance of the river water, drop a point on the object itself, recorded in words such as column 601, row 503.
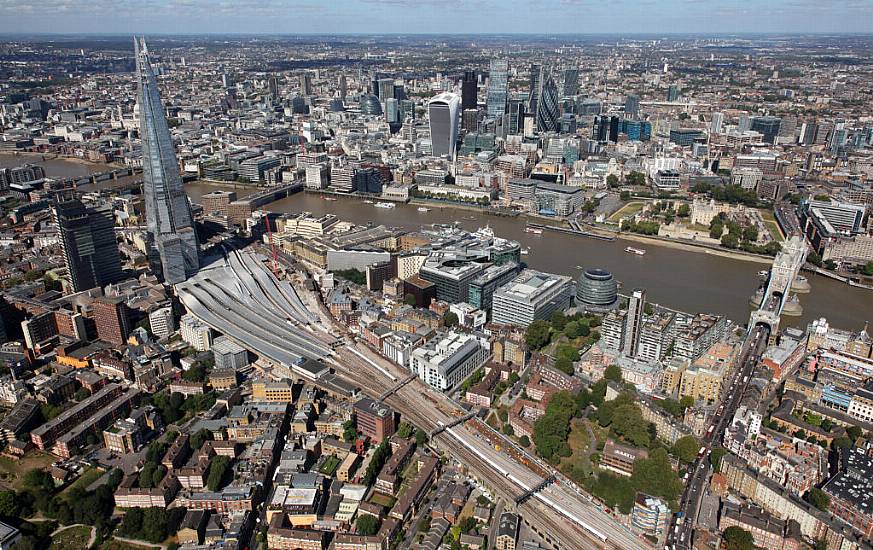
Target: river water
column 686, row 280
column 54, row 168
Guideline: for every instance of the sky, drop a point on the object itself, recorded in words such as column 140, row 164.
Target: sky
column 434, row 16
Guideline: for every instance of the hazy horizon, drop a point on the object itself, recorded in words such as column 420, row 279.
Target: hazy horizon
column 436, row 17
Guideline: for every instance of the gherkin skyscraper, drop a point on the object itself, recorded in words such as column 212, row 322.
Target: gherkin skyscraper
column 172, row 238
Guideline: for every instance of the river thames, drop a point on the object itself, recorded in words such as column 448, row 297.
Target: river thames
column 687, row 280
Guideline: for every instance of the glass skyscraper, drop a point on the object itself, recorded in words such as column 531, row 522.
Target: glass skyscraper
column 498, row 86
column 87, row 238
column 173, row 249
column 547, row 111
column 571, row 82
column 632, row 105
column 468, row 90
column 536, row 88
column 443, row 113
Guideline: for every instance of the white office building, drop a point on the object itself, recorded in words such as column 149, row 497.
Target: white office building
column 444, row 362
column 530, row 296
column 195, row 333
column 161, row 322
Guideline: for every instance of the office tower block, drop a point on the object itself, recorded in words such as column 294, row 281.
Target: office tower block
column 632, row 106
column 823, row 133
column 745, row 123
column 788, row 130
column 571, row 82
column 470, row 120
column 612, row 329
column 305, row 84
column 111, row 319
column 87, row 238
column 273, row 87
column 443, row 112
column 530, row 296
column 807, row 133
column 173, row 248
column 614, row 128
column 407, row 109
column 768, row 126
column 547, row 112
column 601, row 128
column 344, row 179
column 516, row 116
column 716, row 123
column 343, row 87
column 673, row 93
column 162, row 322
column 536, row 87
column 386, row 89
column 498, row 86
column 195, row 333
column 468, row 90
column 839, row 137
column 392, row 110
column 226, row 80
column 635, row 307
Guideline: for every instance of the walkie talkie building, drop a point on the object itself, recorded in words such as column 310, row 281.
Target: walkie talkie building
column 172, row 238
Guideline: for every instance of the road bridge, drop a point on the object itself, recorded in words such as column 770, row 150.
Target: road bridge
column 777, row 290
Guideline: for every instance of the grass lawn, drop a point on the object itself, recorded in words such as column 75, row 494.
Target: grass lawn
column 774, row 230
column 330, row 465
column 74, row 537
column 407, row 475
column 12, row 471
column 579, row 441
column 627, row 210
column 90, row 476
column 385, row 501
column 766, row 215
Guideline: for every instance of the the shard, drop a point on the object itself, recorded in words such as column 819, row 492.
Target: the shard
column 172, row 238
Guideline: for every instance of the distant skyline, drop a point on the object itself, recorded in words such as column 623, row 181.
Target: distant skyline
column 435, row 16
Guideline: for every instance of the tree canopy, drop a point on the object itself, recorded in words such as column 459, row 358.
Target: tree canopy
column 685, row 448
column 538, row 334
column 737, row 538
column 613, row 372
column 551, row 430
column 819, row 498
column 218, row 472
column 367, row 525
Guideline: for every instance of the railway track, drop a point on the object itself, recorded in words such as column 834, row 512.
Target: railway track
column 562, row 517
column 536, row 514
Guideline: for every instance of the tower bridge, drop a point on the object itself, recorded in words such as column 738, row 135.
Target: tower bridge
column 777, row 290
